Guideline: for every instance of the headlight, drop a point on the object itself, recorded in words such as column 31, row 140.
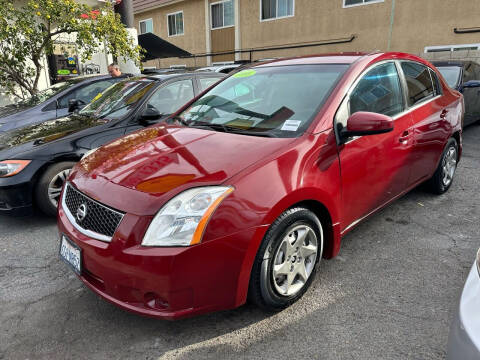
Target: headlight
column 182, row 220
column 89, row 152
column 12, row 167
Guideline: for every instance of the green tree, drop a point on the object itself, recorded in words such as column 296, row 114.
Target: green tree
column 28, row 32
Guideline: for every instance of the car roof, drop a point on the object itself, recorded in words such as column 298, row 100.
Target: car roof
column 82, row 78
column 168, row 76
column 333, row 58
column 460, row 63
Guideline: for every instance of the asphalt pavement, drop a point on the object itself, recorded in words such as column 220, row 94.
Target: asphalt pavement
column 390, row 294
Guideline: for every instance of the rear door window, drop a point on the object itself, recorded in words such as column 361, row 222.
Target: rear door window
column 419, row 82
column 378, row 91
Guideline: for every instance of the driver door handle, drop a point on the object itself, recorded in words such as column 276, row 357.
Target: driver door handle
column 444, row 113
column 404, row 138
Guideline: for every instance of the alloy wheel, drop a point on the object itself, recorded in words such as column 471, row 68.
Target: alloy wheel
column 55, row 186
column 294, row 260
column 449, row 165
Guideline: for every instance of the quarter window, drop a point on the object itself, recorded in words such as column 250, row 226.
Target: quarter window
column 146, row 26
column 205, row 83
column 347, row 3
column 222, row 14
column 419, row 82
column 436, row 84
column 170, row 98
column 175, row 23
column 378, row 91
column 273, row 9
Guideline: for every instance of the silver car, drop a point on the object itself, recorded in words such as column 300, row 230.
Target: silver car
column 464, row 338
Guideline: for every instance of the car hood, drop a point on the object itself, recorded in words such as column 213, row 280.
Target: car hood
column 155, row 164
column 46, row 132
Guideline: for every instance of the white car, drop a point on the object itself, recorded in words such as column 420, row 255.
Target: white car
column 464, row 338
column 220, row 68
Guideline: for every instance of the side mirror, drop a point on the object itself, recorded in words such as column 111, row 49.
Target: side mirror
column 471, row 84
column 75, row 104
column 366, row 123
column 150, row 114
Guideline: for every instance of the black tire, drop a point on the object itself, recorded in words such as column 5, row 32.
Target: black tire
column 437, row 183
column 42, row 198
column 263, row 287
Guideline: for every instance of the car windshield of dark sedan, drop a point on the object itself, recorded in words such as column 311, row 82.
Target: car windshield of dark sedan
column 451, row 74
column 118, row 100
column 274, row 101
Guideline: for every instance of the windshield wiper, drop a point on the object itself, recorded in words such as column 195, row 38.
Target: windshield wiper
column 179, row 119
column 229, row 129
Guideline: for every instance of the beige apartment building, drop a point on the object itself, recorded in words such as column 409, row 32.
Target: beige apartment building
column 222, row 31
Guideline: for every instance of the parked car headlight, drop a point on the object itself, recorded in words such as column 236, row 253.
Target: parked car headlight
column 183, row 219
column 12, row 167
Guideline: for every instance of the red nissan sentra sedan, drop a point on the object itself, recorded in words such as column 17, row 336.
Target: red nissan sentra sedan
column 252, row 183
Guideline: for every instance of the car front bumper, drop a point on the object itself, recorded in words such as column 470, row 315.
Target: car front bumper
column 162, row 282
column 464, row 337
column 16, row 192
column 16, row 200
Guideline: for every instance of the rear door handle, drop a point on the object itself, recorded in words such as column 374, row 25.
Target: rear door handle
column 444, row 113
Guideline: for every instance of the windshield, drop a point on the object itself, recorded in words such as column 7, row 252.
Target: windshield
column 118, row 100
column 451, row 74
column 276, row 101
column 46, row 94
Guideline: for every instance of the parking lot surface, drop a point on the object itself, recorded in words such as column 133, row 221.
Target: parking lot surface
column 390, row 294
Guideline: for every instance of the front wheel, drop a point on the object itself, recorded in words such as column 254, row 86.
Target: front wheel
column 443, row 177
column 49, row 186
column 287, row 260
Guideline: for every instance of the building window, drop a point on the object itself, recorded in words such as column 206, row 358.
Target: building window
column 175, row 23
column 146, row 26
column 348, row 3
column 274, row 9
column 222, row 14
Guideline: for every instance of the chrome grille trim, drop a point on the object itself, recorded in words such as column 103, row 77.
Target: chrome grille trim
column 73, row 221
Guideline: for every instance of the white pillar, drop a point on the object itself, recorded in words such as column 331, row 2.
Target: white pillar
column 129, row 66
column 208, row 41
column 238, row 39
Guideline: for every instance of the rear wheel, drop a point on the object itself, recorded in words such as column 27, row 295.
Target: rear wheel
column 49, row 186
column 443, row 177
column 287, row 260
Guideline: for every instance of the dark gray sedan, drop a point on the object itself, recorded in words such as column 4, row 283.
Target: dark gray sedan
column 464, row 76
column 53, row 102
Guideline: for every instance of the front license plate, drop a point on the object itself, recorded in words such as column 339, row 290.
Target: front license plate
column 71, row 254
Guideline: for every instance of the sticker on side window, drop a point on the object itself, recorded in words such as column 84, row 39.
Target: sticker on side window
column 291, row 125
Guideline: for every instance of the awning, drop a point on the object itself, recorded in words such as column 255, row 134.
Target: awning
column 157, row 48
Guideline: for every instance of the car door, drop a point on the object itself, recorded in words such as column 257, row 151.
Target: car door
column 429, row 115
column 374, row 168
column 166, row 99
column 471, row 95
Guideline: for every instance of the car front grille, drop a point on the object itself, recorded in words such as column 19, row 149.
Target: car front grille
column 89, row 216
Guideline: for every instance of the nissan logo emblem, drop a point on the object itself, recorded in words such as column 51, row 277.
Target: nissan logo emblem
column 81, row 212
